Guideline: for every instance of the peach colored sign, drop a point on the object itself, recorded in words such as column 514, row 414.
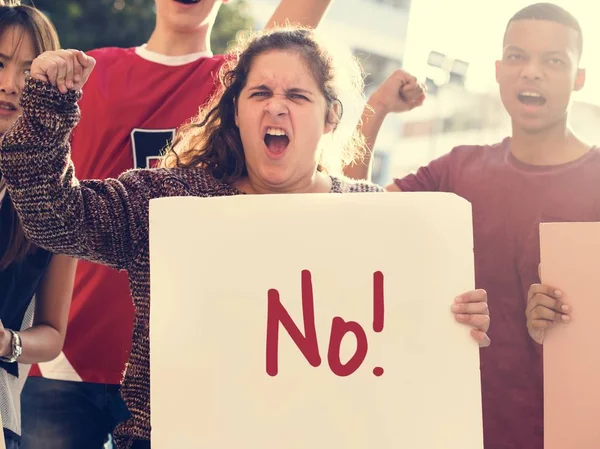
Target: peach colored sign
column 570, row 261
column 312, row 322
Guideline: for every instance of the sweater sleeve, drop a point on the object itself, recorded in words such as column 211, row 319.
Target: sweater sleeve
column 101, row 221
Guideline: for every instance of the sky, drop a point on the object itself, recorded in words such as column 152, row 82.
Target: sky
column 472, row 30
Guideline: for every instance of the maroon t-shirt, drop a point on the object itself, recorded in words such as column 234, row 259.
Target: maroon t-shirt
column 510, row 200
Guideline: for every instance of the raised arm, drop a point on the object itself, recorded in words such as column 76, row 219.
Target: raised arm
column 102, row 221
column 304, row 12
column 400, row 92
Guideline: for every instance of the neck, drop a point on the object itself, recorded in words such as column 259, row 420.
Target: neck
column 553, row 146
column 169, row 42
column 318, row 183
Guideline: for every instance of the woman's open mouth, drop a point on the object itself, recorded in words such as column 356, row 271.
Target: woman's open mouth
column 276, row 141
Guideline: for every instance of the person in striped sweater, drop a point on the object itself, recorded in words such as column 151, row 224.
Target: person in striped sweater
column 268, row 131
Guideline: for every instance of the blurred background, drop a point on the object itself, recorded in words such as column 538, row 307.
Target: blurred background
column 451, row 46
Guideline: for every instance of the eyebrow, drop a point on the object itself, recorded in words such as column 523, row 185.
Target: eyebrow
column 10, row 58
column 297, row 90
column 547, row 53
column 514, row 48
column 293, row 90
column 557, row 53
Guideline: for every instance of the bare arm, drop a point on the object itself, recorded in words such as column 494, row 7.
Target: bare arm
column 371, row 121
column 304, row 12
column 44, row 340
column 400, row 92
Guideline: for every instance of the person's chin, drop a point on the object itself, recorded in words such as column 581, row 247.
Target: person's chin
column 186, row 23
column 275, row 176
column 4, row 127
column 531, row 126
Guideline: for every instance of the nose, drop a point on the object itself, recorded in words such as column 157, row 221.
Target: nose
column 276, row 106
column 532, row 70
column 9, row 82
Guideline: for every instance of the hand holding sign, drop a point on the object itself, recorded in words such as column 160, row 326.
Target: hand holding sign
column 471, row 308
column 544, row 309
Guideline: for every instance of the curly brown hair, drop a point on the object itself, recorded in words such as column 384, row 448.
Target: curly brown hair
column 212, row 139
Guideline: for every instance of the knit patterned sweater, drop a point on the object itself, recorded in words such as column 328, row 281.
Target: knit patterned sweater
column 101, row 221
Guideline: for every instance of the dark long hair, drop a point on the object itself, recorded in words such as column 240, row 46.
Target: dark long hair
column 42, row 33
column 212, row 139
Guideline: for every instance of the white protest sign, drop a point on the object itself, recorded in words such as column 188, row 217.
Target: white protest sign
column 312, row 321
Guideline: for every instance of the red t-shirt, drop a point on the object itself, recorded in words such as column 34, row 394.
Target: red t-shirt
column 131, row 107
column 509, row 201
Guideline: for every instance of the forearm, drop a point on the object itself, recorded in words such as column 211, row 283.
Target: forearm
column 44, row 340
column 372, row 118
column 41, row 343
column 304, row 12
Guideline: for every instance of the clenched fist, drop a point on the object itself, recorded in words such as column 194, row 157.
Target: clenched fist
column 64, row 69
column 400, row 92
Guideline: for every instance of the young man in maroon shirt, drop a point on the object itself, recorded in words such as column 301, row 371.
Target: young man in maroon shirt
column 541, row 173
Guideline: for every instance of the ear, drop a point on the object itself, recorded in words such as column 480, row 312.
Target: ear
column 579, row 80
column 333, row 117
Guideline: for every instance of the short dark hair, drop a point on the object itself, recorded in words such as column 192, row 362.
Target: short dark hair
column 552, row 13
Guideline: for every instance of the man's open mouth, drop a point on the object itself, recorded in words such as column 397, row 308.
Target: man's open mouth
column 531, row 98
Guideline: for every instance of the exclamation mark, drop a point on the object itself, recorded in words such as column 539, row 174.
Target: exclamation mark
column 378, row 310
